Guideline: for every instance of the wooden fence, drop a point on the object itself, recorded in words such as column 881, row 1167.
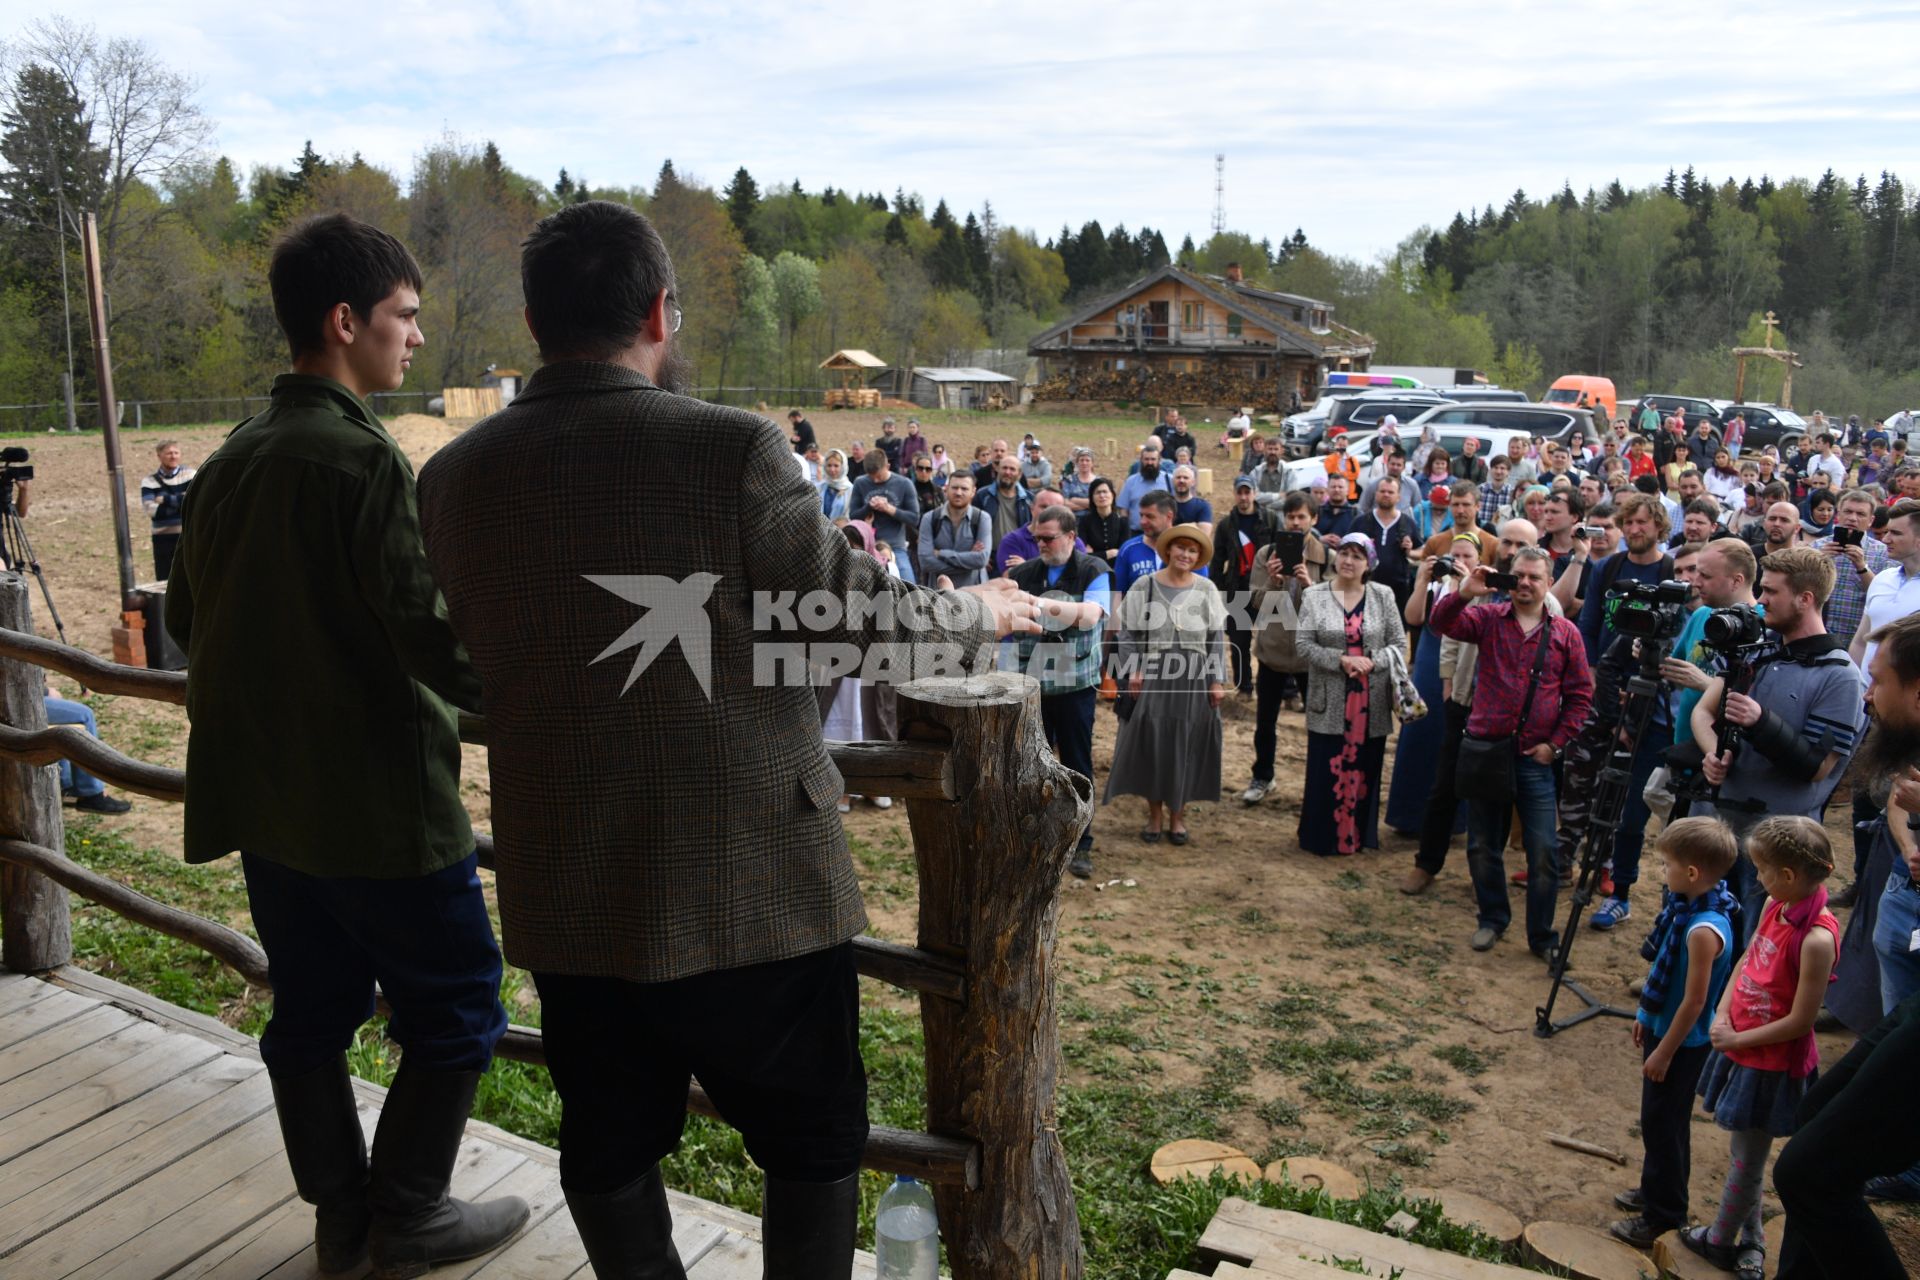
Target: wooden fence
column 994, row 817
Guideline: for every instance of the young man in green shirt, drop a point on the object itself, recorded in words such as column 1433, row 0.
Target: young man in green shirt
column 321, row 687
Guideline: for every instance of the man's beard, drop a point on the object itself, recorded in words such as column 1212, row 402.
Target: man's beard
column 1149, row 473
column 1889, row 749
column 676, row 370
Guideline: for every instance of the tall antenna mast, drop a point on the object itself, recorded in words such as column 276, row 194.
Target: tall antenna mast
column 1219, row 192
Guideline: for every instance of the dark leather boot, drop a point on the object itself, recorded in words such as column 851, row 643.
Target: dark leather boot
column 321, row 1127
column 628, row 1233
column 806, row 1228
column 416, row 1225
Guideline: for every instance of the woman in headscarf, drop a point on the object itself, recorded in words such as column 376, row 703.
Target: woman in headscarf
column 836, row 490
column 1429, row 441
column 1172, row 632
column 1416, row 754
column 1347, row 624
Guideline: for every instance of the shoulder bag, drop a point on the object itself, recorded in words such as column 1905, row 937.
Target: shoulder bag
column 1483, row 772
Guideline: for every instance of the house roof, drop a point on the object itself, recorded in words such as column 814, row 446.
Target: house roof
column 962, row 373
column 853, row 358
column 1254, row 304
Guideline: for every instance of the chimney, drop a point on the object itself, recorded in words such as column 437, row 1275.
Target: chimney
column 1234, row 274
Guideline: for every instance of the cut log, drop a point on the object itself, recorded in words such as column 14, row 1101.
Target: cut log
column 1270, row 1241
column 1681, row 1263
column 1315, row 1175
column 1467, row 1210
column 1198, row 1158
column 1586, row 1253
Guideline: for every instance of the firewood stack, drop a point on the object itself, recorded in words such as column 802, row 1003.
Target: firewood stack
column 1213, row 384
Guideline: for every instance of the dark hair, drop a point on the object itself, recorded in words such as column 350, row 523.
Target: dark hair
column 1157, row 498
column 1600, row 511
column 1462, row 489
column 323, row 261
column 1900, row 641
column 793, row 413
column 1646, row 484
column 1702, row 507
column 1576, row 505
column 1095, row 483
column 591, row 274
column 875, row 460
column 1392, row 450
column 1297, row 500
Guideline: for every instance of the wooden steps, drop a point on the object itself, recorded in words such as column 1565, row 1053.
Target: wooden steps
column 1273, row 1243
column 138, row 1140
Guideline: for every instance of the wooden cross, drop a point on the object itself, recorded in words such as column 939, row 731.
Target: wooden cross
column 1771, row 324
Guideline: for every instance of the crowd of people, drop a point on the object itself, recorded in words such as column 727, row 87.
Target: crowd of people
column 1499, row 609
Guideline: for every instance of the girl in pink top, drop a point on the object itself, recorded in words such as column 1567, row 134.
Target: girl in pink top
column 1765, row 1059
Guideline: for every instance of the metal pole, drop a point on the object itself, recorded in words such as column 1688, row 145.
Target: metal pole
column 109, row 420
column 66, row 394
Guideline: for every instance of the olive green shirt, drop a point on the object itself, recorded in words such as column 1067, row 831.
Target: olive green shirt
column 320, row 664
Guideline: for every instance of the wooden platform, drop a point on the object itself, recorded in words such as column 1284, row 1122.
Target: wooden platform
column 1248, row 1240
column 138, row 1140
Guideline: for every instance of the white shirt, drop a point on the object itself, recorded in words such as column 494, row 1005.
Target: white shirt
column 1891, row 596
column 1832, row 465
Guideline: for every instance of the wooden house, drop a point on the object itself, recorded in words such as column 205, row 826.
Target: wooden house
column 1179, row 337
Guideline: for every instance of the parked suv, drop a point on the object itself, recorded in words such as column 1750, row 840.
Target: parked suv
column 1306, row 433
column 1548, row 421
column 1692, row 406
column 1766, row 424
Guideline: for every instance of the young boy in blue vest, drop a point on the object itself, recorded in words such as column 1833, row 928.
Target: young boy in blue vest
column 1691, row 950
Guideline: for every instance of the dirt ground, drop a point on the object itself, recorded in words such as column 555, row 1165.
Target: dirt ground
column 1177, row 964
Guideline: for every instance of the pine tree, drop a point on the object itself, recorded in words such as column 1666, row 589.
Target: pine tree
column 1670, row 186
column 1187, row 252
column 563, row 187
column 979, row 255
column 1567, row 201
column 942, row 218
column 1616, row 197
column 742, row 197
column 1154, row 253
column 896, row 232
column 50, row 164
column 668, row 179
column 948, row 263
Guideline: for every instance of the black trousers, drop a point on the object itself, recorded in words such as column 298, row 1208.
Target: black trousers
column 1067, row 720
column 1666, row 1133
column 163, row 548
column 1858, row 1122
column 1242, row 641
column 1443, row 806
column 776, row 1045
column 1270, row 689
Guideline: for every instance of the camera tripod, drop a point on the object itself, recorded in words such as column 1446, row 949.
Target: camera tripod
column 1610, row 794
column 17, row 550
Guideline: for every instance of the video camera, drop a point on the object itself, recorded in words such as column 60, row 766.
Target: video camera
column 11, row 459
column 1648, row 610
column 1734, row 628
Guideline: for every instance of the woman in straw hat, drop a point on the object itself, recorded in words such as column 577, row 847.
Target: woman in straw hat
column 1172, row 632
column 1346, row 626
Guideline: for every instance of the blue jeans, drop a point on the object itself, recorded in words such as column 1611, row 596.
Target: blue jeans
column 1487, row 827
column 72, row 777
column 425, row 939
column 1893, row 935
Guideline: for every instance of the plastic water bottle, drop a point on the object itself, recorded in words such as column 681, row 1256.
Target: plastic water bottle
column 906, row 1233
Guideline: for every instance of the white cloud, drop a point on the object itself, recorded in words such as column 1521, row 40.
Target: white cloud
column 1356, row 123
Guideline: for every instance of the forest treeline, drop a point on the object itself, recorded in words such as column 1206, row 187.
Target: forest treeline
column 1648, row 286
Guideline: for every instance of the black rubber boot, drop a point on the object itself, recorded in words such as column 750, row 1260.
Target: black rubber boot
column 416, row 1225
column 321, row 1127
column 628, row 1233
column 806, row 1229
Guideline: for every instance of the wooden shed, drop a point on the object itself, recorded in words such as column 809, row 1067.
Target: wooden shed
column 854, row 367
column 951, row 388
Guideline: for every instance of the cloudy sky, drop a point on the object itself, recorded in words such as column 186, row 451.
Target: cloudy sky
column 1355, row 122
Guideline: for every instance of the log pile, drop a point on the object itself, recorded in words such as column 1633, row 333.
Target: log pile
column 1210, row 384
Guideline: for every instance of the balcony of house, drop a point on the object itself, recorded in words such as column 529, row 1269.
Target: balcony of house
column 1152, row 335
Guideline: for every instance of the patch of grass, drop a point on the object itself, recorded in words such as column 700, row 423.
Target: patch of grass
column 1279, row 1113
column 1392, row 1073
column 1299, row 1008
column 1466, row 1060
column 1296, row 1055
column 1394, row 948
column 1349, row 880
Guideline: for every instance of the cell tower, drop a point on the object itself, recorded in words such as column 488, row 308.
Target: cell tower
column 1219, row 192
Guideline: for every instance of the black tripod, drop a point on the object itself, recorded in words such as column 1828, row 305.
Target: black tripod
column 1603, row 825
column 16, row 549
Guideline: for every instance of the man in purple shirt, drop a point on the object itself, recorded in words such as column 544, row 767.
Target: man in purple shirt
column 1553, row 705
column 1020, row 544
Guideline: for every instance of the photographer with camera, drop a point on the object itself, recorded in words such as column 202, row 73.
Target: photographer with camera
column 1781, row 747
column 1533, row 689
column 1643, row 527
column 16, row 495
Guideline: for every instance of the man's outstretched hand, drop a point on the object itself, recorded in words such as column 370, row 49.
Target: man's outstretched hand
column 1014, row 611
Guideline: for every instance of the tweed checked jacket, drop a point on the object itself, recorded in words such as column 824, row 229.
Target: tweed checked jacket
column 656, row 831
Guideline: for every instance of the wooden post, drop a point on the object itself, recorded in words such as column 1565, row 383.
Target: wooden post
column 990, row 868
column 35, row 931
column 109, row 409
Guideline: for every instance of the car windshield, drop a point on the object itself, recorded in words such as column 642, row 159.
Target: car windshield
column 1563, row 395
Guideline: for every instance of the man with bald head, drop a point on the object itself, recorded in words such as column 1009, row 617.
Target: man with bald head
column 1782, row 528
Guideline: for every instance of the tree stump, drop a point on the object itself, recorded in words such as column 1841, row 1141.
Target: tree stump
column 1315, row 1175
column 1198, row 1158
column 1587, row 1253
column 1472, row 1211
column 1681, row 1263
column 36, row 932
column 990, row 864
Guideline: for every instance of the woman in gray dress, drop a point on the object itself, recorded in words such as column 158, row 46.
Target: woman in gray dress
column 1172, row 628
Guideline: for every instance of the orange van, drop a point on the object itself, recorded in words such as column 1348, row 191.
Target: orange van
column 1582, row 389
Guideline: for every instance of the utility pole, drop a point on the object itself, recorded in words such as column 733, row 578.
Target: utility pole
column 109, row 415
column 1219, row 192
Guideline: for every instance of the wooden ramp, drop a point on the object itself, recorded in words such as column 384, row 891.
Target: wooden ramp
column 138, row 1140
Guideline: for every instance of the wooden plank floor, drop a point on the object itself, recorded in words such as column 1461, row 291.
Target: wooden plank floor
column 138, row 1141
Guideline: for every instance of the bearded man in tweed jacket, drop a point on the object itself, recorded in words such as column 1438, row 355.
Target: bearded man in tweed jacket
column 671, row 864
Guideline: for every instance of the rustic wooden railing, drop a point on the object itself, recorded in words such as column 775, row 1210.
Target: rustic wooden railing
column 993, row 814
